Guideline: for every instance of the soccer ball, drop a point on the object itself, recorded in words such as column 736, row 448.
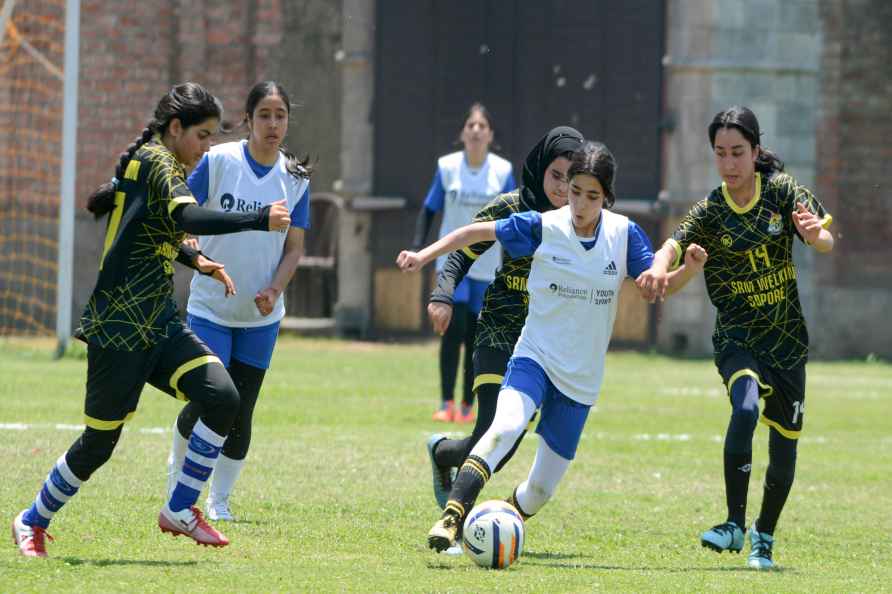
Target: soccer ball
column 493, row 534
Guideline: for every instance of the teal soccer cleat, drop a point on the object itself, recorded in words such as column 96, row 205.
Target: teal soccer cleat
column 442, row 475
column 760, row 553
column 724, row 537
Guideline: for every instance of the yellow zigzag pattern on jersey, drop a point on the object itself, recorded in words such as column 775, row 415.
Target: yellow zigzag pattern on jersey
column 751, row 269
column 130, row 319
column 504, row 310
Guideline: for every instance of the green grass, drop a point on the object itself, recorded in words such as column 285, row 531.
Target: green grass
column 336, row 495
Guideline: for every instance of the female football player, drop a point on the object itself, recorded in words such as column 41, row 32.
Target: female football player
column 505, row 306
column 242, row 329
column 747, row 226
column 131, row 326
column 580, row 255
column 463, row 183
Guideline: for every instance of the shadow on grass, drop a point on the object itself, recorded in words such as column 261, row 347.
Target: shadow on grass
column 109, row 562
column 541, row 559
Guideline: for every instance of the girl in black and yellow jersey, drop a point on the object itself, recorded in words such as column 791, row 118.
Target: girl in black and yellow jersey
column 747, row 226
column 505, row 303
column 131, row 326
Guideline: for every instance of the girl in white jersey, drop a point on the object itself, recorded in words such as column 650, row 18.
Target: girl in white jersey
column 581, row 254
column 464, row 182
column 241, row 329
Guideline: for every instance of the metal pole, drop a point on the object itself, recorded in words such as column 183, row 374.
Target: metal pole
column 64, row 285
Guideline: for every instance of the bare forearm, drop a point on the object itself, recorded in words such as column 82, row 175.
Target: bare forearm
column 824, row 243
column 458, row 239
column 294, row 249
column 678, row 278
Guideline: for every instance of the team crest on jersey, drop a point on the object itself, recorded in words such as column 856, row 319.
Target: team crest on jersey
column 775, row 224
column 726, row 240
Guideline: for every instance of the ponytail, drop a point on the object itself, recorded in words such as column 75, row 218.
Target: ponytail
column 102, row 201
column 768, row 163
column 299, row 168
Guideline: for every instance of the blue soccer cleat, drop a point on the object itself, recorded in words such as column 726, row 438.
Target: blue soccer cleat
column 760, row 554
column 723, row 537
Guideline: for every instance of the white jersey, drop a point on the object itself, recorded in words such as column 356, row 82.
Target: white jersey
column 251, row 257
column 573, row 299
column 467, row 191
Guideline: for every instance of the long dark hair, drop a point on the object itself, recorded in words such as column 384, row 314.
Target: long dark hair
column 596, row 160
column 299, row 168
column 190, row 103
column 744, row 121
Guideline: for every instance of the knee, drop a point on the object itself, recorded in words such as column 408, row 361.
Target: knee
column 91, row 451
column 227, row 397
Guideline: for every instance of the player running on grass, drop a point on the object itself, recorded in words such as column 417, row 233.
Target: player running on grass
column 761, row 344
column 505, row 306
column 242, row 329
column 131, row 325
column 580, row 255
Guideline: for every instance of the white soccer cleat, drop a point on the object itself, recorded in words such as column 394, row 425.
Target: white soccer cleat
column 191, row 523
column 219, row 511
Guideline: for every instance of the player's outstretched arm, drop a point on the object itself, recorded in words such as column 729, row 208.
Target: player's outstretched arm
column 652, row 282
column 410, row 261
column 694, row 260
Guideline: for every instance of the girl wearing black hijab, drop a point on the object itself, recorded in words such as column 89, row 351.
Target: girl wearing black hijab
column 505, row 303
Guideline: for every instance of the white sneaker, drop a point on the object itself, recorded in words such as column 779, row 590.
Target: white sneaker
column 219, row 510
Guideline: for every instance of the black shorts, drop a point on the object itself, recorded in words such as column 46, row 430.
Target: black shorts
column 115, row 379
column 489, row 366
column 783, row 390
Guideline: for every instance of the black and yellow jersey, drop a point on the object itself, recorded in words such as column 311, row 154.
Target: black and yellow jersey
column 750, row 275
column 132, row 306
column 506, row 300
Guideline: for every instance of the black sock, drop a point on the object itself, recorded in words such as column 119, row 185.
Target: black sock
column 452, row 452
column 737, row 482
column 467, row 486
column 450, row 351
column 778, row 480
column 468, row 371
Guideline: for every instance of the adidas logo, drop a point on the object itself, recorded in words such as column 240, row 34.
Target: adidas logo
column 610, row 269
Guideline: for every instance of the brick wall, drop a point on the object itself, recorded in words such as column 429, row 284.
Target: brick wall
column 853, row 128
column 132, row 53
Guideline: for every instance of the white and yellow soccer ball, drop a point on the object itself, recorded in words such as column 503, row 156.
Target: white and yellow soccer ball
column 493, row 534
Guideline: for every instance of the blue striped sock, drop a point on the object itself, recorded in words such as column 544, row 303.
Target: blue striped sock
column 201, row 457
column 59, row 487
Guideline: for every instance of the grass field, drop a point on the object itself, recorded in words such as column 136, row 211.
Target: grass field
column 337, row 494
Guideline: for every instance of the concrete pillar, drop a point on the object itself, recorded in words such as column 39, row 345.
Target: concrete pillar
column 762, row 54
column 356, row 59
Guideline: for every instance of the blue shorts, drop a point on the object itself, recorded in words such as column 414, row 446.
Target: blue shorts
column 471, row 291
column 253, row 346
column 561, row 419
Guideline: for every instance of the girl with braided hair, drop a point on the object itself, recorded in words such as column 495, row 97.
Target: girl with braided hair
column 133, row 333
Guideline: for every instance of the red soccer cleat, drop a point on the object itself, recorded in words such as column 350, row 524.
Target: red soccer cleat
column 29, row 539
column 465, row 414
column 191, row 523
column 445, row 414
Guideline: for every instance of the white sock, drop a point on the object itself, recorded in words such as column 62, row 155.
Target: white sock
column 176, row 458
column 225, row 474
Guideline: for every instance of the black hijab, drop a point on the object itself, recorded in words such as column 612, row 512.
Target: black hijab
column 557, row 142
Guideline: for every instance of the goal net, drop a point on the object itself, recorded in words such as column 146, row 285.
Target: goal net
column 31, row 102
